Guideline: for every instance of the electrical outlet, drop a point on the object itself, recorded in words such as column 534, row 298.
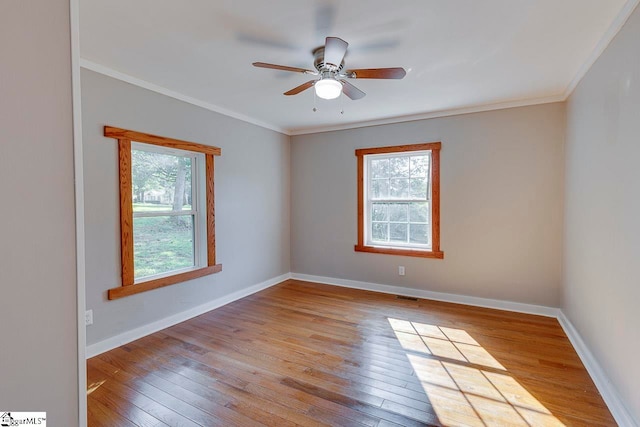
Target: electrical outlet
column 88, row 317
column 401, row 270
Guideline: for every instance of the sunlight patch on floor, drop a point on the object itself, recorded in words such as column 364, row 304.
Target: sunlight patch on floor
column 465, row 384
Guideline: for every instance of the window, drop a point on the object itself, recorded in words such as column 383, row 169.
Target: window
column 399, row 200
column 166, row 210
column 167, row 220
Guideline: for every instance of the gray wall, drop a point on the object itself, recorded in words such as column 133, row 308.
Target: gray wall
column 38, row 327
column 252, row 202
column 602, row 223
column 501, row 205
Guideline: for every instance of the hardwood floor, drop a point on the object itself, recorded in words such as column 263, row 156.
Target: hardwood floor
column 307, row 354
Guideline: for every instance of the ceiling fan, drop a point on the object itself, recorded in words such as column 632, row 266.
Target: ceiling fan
column 329, row 66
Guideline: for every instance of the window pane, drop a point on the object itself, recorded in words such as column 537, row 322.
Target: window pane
column 399, row 188
column 380, row 168
column 380, row 188
column 379, row 212
column 162, row 244
column 160, row 182
column 419, row 165
column 419, row 234
column 398, row 212
column 419, row 212
column 399, row 167
column 398, row 232
column 379, row 231
column 418, row 188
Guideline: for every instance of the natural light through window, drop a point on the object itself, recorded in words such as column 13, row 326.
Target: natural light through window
column 465, row 384
column 398, row 192
column 166, row 210
column 399, row 200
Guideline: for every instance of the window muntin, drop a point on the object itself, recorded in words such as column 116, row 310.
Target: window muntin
column 167, row 219
column 398, row 192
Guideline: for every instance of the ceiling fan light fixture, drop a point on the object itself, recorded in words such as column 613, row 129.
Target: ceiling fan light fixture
column 329, row 63
column 328, row 88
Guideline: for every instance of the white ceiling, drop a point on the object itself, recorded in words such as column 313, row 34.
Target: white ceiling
column 460, row 55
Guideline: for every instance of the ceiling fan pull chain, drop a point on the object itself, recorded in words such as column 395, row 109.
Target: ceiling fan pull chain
column 314, row 101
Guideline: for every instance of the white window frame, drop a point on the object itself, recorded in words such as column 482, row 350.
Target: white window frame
column 370, row 201
column 197, row 211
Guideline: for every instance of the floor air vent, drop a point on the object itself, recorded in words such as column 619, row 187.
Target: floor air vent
column 406, row 298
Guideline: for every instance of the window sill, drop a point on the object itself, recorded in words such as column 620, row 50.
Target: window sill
column 400, row 251
column 124, row 291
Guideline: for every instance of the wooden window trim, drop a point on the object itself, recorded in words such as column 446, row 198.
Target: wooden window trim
column 123, row 134
column 435, row 251
column 124, row 138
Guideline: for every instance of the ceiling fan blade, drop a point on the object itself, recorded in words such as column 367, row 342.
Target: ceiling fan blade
column 376, row 73
column 334, row 50
column 304, row 86
column 283, row 68
column 351, row 91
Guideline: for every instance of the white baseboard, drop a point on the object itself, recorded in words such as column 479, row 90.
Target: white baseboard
column 607, row 390
column 610, row 395
column 142, row 331
column 437, row 296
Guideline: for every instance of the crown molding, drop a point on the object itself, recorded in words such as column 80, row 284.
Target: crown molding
column 598, row 50
column 432, row 115
column 600, row 47
column 118, row 75
column 110, row 72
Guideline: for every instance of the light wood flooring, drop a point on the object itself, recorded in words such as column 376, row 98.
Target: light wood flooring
column 308, row 354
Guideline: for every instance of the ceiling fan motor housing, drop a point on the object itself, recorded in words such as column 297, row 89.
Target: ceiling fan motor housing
column 321, row 66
